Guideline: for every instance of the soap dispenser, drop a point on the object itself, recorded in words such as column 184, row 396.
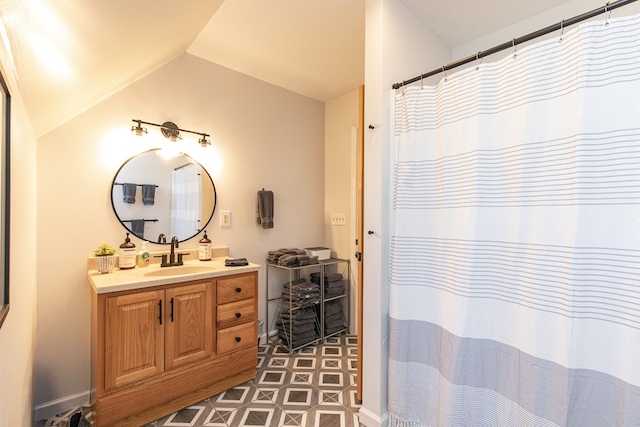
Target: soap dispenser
column 204, row 248
column 127, row 254
column 143, row 256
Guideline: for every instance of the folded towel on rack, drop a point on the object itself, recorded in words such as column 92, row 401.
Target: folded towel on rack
column 334, row 324
column 332, row 292
column 305, row 313
column 333, row 317
column 265, row 208
column 148, row 194
column 338, row 284
column 303, row 287
column 129, row 193
column 295, row 322
column 137, row 227
column 296, row 328
column 332, row 307
column 328, row 277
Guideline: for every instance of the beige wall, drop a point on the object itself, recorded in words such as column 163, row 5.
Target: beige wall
column 17, row 335
column 341, row 130
column 263, row 137
column 394, row 35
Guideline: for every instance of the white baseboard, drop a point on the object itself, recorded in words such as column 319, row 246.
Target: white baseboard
column 262, row 339
column 50, row 409
column 370, row 419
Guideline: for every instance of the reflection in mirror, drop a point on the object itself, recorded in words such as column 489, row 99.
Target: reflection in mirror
column 155, row 197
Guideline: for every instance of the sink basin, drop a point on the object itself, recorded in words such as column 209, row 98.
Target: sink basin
column 180, row 270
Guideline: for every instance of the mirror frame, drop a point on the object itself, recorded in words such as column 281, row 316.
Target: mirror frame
column 168, row 242
column 5, row 174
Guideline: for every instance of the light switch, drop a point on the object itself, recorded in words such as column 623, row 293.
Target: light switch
column 225, row 218
column 338, row 218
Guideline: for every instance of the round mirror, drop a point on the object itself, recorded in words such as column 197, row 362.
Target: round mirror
column 156, row 198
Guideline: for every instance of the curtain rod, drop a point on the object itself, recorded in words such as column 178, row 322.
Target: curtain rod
column 510, row 44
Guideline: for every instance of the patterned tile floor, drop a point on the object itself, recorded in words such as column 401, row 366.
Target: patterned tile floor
column 314, row 387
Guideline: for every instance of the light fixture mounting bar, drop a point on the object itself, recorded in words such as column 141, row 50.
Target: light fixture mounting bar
column 142, row 122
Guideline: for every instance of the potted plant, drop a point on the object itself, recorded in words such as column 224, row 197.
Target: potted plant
column 105, row 258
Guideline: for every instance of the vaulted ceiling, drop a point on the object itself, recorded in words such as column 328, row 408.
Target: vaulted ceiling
column 69, row 55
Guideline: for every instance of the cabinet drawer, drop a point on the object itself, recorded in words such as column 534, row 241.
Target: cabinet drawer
column 236, row 337
column 235, row 313
column 235, row 289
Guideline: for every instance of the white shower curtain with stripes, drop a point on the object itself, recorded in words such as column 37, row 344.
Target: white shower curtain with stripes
column 186, row 201
column 515, row 244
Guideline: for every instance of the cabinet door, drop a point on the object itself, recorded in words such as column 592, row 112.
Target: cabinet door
column 189, row 324
column 134, row 338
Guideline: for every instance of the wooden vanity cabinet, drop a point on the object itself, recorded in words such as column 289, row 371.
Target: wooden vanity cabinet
column 133, row 338
column 236, row 318
column 189, row 324
column 157, row 350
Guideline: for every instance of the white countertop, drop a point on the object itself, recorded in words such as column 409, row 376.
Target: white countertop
column 154, row 275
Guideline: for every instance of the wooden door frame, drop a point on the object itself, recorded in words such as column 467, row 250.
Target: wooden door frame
column 360, row 235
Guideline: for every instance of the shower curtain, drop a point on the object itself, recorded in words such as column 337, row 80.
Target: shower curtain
column 515, row 243
column 186, row 201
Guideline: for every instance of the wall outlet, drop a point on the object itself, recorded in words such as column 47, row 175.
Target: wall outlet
column 338, row 219
column 225, row 218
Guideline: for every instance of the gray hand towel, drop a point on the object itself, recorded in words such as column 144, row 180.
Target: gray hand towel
column 148, row 194
column 137, row 227
column 265, row 208
column 128, row 193
column 235, row 262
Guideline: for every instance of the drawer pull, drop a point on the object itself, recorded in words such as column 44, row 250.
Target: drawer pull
column 238, row 290
column 238, row 315
column 238, row 339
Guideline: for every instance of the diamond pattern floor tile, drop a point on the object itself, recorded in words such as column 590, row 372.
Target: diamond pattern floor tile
column 314, row 387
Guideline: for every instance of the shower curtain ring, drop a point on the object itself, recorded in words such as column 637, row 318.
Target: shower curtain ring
column 445, row 73
column 478, row 61
column 561, row 31
column 606, row 9
column 513, row 43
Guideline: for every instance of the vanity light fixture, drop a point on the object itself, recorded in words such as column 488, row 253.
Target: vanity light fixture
column 170, row 130
column 203, row 141
column 138, row 129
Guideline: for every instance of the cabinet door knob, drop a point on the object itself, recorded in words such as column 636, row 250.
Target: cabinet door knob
column 238, row 290
column 238, row 339
column 238, row 315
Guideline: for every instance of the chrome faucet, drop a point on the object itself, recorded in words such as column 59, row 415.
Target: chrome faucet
column 162, row 238
column 172, row 255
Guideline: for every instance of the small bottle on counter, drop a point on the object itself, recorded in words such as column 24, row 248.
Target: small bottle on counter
column 143, row 256
column 204, row 248
column 127, row 254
